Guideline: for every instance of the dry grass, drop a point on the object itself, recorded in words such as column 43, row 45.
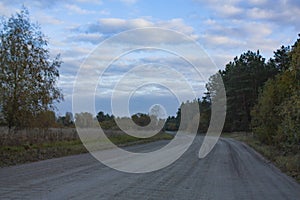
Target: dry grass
column 36, row 136
column 38, row 144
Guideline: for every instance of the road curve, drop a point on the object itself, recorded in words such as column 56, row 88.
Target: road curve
column 231, row 171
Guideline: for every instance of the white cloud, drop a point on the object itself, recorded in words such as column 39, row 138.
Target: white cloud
column 257, row 2
column 93, row 38
column 99, row 2
column 176, row 24
column 76, row 9
column 220, row 40
column 104, row 12
column 47, row 19
column 129, row 1
column 280, row 12
column 261, row 30
column 239, row 36
column 44, row 4
column 5, row 10
column 258, row 13
column 112, row 26
column 229, row 10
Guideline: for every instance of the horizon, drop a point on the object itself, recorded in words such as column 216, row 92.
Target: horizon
column 224, row 30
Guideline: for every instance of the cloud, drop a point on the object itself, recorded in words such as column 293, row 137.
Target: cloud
column 93, row 38
column 99, row 2
column 237, row 26
column 74, row 9
column 5, row 10
column 129, row 1
column 219, row 40
column 154, row 68
column 47, row 19
column 107, row 27
column 229, row 10
column 113, row 25
column 43, row 4
column 280, row 12
column 104, row 12
column 240, row 36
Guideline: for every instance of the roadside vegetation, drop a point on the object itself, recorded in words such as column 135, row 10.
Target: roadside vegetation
column 39, row 144
column 287, row 162
column 263, row 98
column 31, row 130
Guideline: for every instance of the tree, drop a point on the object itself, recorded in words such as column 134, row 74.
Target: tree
column 106, row 121
column 85, row 120
column 141, row 119
column 187, row 116
column 276, row 116
column 101, row 117
column 288, row 134
column 242, row 79
column 69, row 119
column 281, row 58
column 275, row 97
column 66, row 120
column 171, row 124
column 205, row 113
column 27, row 73
column 45, row 119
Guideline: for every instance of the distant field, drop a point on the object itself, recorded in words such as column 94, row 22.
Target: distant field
column 286, row 161
column 39, row 144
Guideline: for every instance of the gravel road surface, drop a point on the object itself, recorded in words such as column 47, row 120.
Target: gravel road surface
column 231, row 171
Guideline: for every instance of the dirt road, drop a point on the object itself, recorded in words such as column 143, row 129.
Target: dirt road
column 231, row 171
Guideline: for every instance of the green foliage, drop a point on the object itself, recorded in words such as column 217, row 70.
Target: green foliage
column 281, row 59
column 295, row 58
column 66, row 121
column 104, row 117
column 265, row 114
column 106, row 121
column 276, row 116
column 288, row 134
column 243, row 79
column 141, row 119
column 27, row 73
column 205, row 114
column 109, row 124
column 171, row 124
column 190, row 115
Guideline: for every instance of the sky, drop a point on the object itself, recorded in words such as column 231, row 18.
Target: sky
column 223, row 29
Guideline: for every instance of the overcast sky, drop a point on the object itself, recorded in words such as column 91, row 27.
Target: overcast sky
column 224, row 29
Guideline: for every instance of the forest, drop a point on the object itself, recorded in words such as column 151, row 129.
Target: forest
column 263, row 97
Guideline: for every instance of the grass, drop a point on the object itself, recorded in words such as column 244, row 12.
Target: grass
column 288, row 163
column 34, row 145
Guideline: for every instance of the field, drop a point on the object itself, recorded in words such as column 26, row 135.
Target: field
column 30, row 145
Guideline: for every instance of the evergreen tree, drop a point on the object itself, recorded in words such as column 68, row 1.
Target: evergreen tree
column 243, row 79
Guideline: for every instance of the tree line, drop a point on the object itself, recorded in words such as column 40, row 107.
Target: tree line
column 28, row 77
column 263, row 96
